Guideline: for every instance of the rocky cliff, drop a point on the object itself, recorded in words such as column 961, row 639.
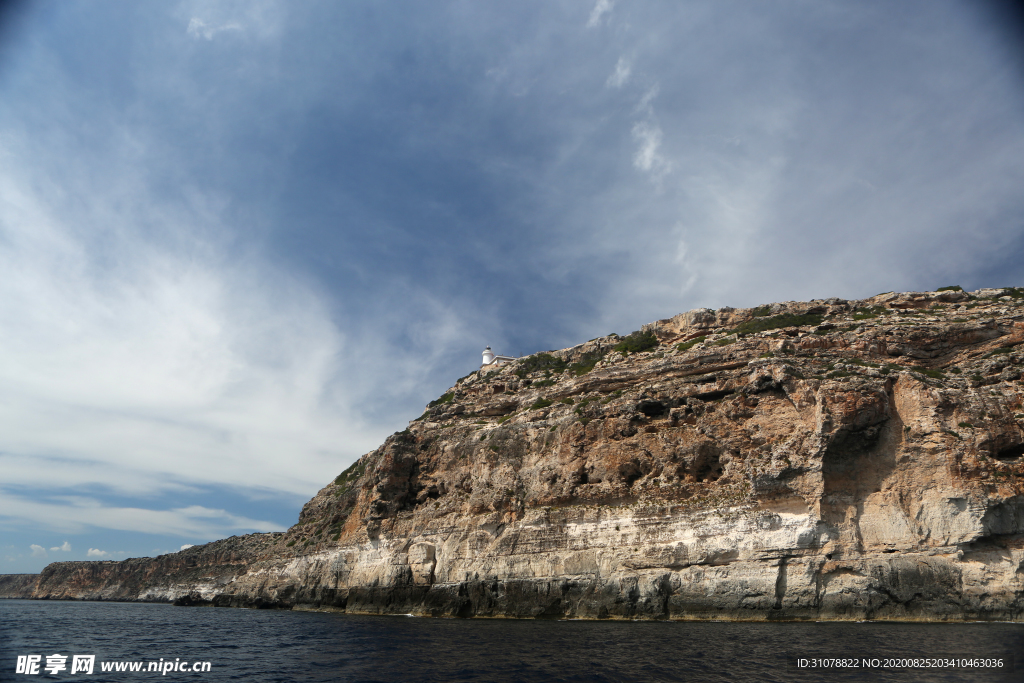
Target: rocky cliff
column 17, row 585
column 204, row 569
column 828, row 459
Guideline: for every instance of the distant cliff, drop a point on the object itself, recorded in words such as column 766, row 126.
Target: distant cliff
column 17, row 585
column 206, row 568
column 828, row 459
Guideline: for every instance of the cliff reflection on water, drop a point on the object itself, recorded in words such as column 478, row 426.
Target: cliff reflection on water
column 264, row 646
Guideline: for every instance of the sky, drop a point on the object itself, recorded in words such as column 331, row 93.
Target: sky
column 243, row 242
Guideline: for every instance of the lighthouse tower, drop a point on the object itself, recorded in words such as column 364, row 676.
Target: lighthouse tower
column 491, row 359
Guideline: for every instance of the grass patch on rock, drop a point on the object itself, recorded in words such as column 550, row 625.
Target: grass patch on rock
column 442, row 399
column 635, row 342
column 775, row 322
column 687, row 345
column 538, row 362
column 930, row 372
column 350, row 475
column 586, row 362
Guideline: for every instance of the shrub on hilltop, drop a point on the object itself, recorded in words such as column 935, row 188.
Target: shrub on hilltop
column 635, row 342
column 760, row 324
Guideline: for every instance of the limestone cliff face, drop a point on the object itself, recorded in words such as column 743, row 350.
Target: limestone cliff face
column 822, row 460
column 205, row 569
column 17, row 585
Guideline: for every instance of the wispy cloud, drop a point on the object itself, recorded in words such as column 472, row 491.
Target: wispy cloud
column 160, row 363
column 621, row 74
column 38, row 550
column 260, row 19
column 77, row 515
column 649, row 135
column 197, row 28
column 141, row 365
column 96, row 552
column 601, row 8
column 648, row 157
column 66, row 547
column 646, row 103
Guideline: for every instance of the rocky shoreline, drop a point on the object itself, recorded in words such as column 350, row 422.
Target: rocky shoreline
column 828, row 459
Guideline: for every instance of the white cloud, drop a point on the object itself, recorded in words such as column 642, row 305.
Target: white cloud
column 64, row 548
column 76, row 515
column 648, row 156
column 140, row 365
column 186, row 546
column 96, row 552
column 38, row 550
column 621, row 74
column 197, row 28
column 601, row 8
column 143, row 367
column 645, row 105
column 261, row 19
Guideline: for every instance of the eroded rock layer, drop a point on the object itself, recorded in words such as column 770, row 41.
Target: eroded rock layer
column 806, row 460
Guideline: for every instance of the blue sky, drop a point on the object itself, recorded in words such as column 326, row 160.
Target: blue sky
column 242, row 242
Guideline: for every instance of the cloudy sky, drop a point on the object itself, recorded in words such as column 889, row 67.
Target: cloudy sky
column 242, row 242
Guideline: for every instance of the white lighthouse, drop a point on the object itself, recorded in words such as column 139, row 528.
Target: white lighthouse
column 491, row 359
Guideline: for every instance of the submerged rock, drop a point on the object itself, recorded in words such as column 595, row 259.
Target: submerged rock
column 804, row 460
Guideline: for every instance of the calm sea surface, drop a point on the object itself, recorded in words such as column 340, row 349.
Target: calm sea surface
column 265, row 645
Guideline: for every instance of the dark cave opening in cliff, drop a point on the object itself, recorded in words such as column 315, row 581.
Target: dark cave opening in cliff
column 1010, row 453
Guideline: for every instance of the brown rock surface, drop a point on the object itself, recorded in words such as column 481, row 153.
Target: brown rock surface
column 805, row 460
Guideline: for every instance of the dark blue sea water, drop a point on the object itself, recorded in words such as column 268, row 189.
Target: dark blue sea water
column 264, row 645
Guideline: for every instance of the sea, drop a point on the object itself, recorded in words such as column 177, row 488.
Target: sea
column 145, row 642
